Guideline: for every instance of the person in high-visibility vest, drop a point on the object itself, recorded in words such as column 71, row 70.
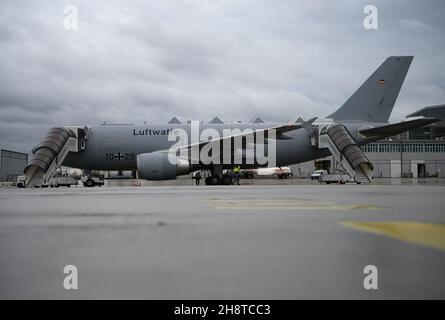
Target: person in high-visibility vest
column 236, row 173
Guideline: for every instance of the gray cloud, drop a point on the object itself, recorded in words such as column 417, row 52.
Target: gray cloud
column 131, row 61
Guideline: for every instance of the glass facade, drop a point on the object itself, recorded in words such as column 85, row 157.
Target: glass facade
column 413, row 147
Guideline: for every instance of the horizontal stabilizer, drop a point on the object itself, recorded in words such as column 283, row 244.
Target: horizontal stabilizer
column 396, row 128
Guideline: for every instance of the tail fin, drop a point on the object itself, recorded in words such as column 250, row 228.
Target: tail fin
column 374, row 100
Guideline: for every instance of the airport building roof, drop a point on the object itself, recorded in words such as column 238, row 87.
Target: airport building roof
column 216, row 120
column 257, row 120
column 174, row 120
column 430, row 112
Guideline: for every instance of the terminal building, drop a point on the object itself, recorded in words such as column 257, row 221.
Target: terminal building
column 407, row 158
column 12, row 164
column 418, row 153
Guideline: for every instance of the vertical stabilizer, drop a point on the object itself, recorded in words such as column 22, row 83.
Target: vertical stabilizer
column 376, row 97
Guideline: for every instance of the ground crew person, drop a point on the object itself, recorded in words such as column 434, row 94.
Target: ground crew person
column 236, row 172
column 197, row 178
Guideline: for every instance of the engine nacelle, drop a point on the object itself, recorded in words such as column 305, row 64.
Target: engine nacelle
column 157, row 166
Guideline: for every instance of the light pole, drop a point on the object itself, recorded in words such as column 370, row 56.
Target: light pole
column 401, row 158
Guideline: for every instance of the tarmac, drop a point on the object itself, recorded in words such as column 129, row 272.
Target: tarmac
column 265, row 239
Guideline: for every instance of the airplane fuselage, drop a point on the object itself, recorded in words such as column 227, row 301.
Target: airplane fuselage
column 115, row 147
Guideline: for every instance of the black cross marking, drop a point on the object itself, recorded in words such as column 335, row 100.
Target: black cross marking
column 119, row 156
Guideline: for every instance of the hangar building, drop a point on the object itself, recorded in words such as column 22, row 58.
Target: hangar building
column 12, row 164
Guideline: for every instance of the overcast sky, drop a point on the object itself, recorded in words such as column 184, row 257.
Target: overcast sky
column 134, row 61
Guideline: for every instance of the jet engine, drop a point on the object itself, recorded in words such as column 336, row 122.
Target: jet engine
column 158, row 166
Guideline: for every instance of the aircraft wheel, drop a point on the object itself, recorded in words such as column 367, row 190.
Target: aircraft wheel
column 215, row 181
column 226, row 180
column 208, row 181
column 89, row 183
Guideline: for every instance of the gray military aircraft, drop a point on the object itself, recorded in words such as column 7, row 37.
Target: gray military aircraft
column 160, row 152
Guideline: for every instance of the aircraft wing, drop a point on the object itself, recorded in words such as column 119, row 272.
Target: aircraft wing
column 279, row 130
column 396, row 128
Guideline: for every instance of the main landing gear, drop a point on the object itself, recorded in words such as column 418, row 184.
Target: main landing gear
column 214, row 180
column 217, row 177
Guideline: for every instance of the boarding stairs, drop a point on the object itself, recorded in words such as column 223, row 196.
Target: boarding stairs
column 346, row 152
column 50, row 153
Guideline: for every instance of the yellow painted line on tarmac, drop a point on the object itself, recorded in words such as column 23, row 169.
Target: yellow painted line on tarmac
column 426, row 234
